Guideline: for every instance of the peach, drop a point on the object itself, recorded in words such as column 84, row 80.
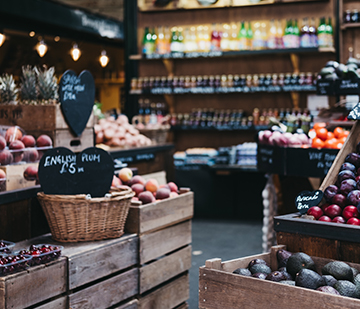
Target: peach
column 164, row 186
column 162, row 194
column 13, row 134
column 31, row 173
column 173, row 187
column 137, row 188
column 28, row 140
column 43, row 141
column 17, row 145
column 152, row 185
column 2, row 176
column 31, row 155
column 125, row 174
column 2, row 142
column 146, row 197
column 6, row 157
column 116, row 182
column 137, row 179
column 173, row 194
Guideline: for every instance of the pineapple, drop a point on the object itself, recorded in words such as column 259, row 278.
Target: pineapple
column 28, row 85
column 8, row 90
column 47, row 86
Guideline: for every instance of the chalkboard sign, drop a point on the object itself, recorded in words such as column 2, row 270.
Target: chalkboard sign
column 77, row 95
column 65, row 173
column 354, row 113
column 325, row 87
column 345, row 86
column 307, row 199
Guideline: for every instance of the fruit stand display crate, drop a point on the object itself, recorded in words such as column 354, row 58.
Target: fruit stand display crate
column 15, row 176
column 220, row 288
column 323, row 239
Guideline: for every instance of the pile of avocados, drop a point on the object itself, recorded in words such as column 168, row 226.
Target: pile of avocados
column 299, row 269
column 334, row 70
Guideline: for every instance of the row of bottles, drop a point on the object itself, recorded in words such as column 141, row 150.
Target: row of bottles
column 257, row 80
column 255, row 35
column 351, row 16
column 151, row 113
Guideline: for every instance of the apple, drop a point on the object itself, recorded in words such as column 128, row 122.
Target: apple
column 353, row 221
column 329, row 192
column 325, row 219
column 333, row 210
column 323, row 206
column 338, row 219
column 350, row 212
column 315, row 211
column 339, row 199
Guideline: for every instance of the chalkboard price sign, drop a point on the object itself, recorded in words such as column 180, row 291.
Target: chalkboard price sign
column 77, row 95
column 307, row 199
column 355, row 113
column 65, row 173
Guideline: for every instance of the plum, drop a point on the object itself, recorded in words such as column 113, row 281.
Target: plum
column 338, row 219
column 329, row 192
column 345, row 174
column 339, row 199
column 146, row 197
column 348, row 166
column 353, row 158
column 350, row 212
column 347, row 186
column 315, row 211
column 333, row 211
column 162, row 193
column 358, row 147
column 138, row 188
column 353, row 197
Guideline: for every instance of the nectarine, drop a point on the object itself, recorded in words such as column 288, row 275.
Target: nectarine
column 6, row 157
column 125, row 174
column 137, row 179
column 146, row 197
column 2, row 176
column 2, row 142
column 162, row 194
column 43, row 141
column 28, row 140
column 17, row 145
column 12, row 134
column 152, row 185
column 173, row 187
column 31, row 173
column 116, row 182
column 138, row 188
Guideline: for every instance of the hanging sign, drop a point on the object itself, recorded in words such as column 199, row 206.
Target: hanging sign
column 307, row 199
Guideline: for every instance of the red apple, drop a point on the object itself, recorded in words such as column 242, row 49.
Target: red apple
column 338, row 219
column 350, row 212
column 325, row 219
column 323, row 206
column 333, row 210
column 315, row 211
column 339, row 199
column 353, row 221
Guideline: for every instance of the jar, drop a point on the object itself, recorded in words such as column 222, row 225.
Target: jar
column 223, row 82
column 236, row 81
column 249, row 80
column 347, row 17
column 355, row 16
column 230, row 81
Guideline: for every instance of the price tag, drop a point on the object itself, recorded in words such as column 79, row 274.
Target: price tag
column 307, row 199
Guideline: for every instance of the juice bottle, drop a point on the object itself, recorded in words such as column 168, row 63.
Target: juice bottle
column 225, row 38
column 329, row 33
column 147, row 43
column 200, row 39
column 193, row 39
column 296, row 35
column 272, row 41
column 180, row 40
column 322, row 41
column 258, row 42
column 174, row 44
column 153, row 40
column 279, row 35
column 161, row 46
column 305, row 34
column 207, row 38
column 233, row 37
column 167, row 39
column 264, row 35
column 215, row 38
column 242, row 38
column 250, row 37
column 313, row 34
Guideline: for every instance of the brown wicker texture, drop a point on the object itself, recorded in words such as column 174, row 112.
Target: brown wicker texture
column 74, row 218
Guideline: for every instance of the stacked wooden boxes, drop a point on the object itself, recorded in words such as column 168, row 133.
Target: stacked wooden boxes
column 164, row 230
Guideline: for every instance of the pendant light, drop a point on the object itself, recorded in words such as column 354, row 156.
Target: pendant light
column 41, row 48
column 2, row 37
column 103, row 59
column 75, row 52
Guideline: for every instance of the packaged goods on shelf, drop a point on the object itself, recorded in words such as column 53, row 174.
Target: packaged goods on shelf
column 246, row 154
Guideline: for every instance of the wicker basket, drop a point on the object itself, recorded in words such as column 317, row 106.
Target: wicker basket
column 74, row 218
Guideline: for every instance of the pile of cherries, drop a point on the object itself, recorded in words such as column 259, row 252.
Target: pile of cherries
column 42, row 254
column 13, row 263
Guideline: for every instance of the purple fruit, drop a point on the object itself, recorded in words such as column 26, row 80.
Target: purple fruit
column 345, row 174
column 348, row 166
column 329, row 192
column 328, row 289
column 353, row 197
column 339, row 199
column 347, row 186
column 353, row 158
column 358, row 147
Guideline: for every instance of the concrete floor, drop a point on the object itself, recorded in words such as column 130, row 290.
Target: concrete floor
column 220, row 239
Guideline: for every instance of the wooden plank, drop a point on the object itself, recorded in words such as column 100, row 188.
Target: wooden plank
column 154, row 216
column 59, row 303
column 106, row 293
column 231, row 265
column 64, row 138
column 168, row 296
column 158, row 243
column 133, row 304
column 88, row 262
column 15, row 176
column 35, row 285
column 183, row 306
column 164, row 269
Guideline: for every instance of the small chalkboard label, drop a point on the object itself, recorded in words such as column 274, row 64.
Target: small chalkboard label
column 307, row 199
column 77, row 96
column 355, row 113
column 65, row 173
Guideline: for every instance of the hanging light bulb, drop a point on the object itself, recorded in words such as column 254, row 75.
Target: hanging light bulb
column 41, row 48
column 104, row 59
column 2, row 37
column 31, row 34
column 75, row 52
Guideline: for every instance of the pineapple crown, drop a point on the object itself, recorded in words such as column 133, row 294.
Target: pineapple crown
column 47, row 86
column 8, row 90
column 28, row 84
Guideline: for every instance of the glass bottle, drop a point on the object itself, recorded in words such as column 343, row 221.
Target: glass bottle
column 233, row 37
column 194, row 46
column 258, row 42
column 174, row 44
column 207, row 38
column 329, row 33
column 147, row 42
column 188, row 47
column 200, row 39
column 271, row 41
column 250, row 37
column 264, row 35
column 225, row 38
column 161, row 46
column 322, row 42
column 215, row 38
column 305, row 34
column 347, row 17
column 167, row 39
column 313, row 34
column 279, row 35
column 180, row 40
column 153, row 40
column 242, row 37
column 296, row 35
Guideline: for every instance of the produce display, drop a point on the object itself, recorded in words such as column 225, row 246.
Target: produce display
column 286, row 139
column 334, row 70
column 299, row 269
column 5, row 246
column 323, row 138
column 12, row 263
column 42, row 253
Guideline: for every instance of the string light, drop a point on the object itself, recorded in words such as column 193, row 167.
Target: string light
column 41, row 48
column 75, row 52
column 31, row 34
column 57, row 38
column 103, row 59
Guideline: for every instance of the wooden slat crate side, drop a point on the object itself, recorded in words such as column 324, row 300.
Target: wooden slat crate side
column 183, row 306
column 159, row 176
column 106, row 293
column 88, row 264
column 168, row 296
column 35, row 285
column 158, row 215
column 64, row 138
column 59, row 303
column 15, row 176
column 62, row 124
column 165, row 268
column 133, row 304
column 158, row 243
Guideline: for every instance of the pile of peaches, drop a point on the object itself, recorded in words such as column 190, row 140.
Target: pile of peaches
column 146, row 191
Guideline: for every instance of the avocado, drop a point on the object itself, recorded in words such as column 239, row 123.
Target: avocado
column 329, row 280
column 328, row 289
column 288, row 282
column 352, row 74
column 308, row 278
column 346, row 288
column 298, row 261
column 341, row 70
column 332, row 64
column 260, row 268
column 242, row 271
column 356, row 280
column 325, row 71
column 282, row 257
column 259, row 275
column 339, row 270
column 287, row 275
column 256, row 261
column 332, row 76
column 355, row 272
column 276, row 276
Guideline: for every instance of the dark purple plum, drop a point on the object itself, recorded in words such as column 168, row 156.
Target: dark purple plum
column 345, row 174
column 347, row 186
column 348, row 166
column 329, row 192
column 339, row 199
column 353, row 158
column 353, row 197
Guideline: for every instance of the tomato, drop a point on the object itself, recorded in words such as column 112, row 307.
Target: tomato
column 330, row 135
column 338, row 145
column 322, row 133
column 338, row 131
column 319, row 125
column 317, row 143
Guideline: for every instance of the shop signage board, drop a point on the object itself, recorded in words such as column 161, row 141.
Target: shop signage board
column 271, row 159
column 307, row 199
column 77, row 96
column 65, row 173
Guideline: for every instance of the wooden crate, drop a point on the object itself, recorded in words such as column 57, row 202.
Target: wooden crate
column 36, row 117
column 132, row 304
column 220, row 288
column 37, row 284
column 151, row 217
column 15, row 176
column 171, row 295
column 58, row 303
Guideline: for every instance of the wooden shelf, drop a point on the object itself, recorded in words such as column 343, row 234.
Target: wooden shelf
column 110, row 81
column 351, row 25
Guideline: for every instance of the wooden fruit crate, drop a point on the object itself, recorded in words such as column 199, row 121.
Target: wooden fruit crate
column 132, row 304
column 58, row 303
column 15, row 176
column 220, row 288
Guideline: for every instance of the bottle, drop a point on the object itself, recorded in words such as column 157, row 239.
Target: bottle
column 174, row 44
column 313, row 34
column 242, row 38
column 215, row 38
column 271, row 41
column 180, row 40
column 296, row 35
column 147, row 42
column 207, row 38
column 188, row 47
column 279, row 35
column 329, row 34
column 225, row 38
column 264, row 35
column 288, row 34
column 250, row 37
column 161, row 46
column 193, row 39
column 141, row 110
column 200, row 39
column 233, row 37
column 167, row 39
column 258, row 42
column 322, row 42
column 147, row 111
column 153, row 40
column 305, row 34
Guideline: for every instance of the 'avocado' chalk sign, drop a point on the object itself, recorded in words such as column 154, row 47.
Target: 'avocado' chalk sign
column 65, row 173
column 77, row 95
column 307, row 199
